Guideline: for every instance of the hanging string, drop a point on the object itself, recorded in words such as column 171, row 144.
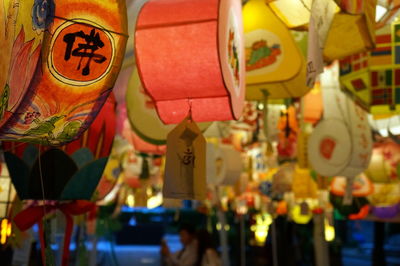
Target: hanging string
column 90, row 25
column 190, row 110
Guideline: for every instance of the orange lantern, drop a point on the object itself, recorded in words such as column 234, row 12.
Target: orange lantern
column 75, row 50
column 199, row 55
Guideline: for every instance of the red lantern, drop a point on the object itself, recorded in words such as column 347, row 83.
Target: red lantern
column 192, row 58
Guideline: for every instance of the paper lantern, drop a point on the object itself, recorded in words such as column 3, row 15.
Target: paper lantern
column 373, row 78
column 345, row 151
column 224, row 165
column 275, row 67
column 200, row 46
column 384, row 162
column 80, row 46
column 385, row 194
column 303, row 186
column 143, row 116
column 63, row 170
column 299, row 217
column 351, row 30
column 312, row 105
column 282, row 180
column 61, row 179
column 113, row 169
column 362, row 186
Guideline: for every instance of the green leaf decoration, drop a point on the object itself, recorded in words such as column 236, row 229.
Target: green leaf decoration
column 30, row 155
column 19, row 173
column 82, row 157
column 83, row 184
column 56, row 169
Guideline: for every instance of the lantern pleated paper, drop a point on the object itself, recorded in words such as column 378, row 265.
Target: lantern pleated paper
column 373, row 78
column 142, row 113
column 68, row 68
column 275, row 67
column 192, row 58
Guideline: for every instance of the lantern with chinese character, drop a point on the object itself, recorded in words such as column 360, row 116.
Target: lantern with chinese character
column 373, row 78
column 80, row 54
column 275, row 67
column 200, row 58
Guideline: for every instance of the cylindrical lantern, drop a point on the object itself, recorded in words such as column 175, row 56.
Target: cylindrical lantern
column 142, row 114
column 199, row 55
column 81, row 46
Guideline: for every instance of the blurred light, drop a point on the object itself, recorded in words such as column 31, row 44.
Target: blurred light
column 218, row 226
column 260, row 106
column 329, row 231
column 395, row 130
column 380, row 12
column 261, row 227
column 130, row 201
column 383, row 132
column 5, row 231
column 155, row 201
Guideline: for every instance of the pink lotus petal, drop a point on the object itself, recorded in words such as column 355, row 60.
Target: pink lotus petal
column 19, row 41
column 18, row 73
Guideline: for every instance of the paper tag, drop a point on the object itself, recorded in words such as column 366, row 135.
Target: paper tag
column 304, row 208
column 322, row 13
column 348, row 193
column 185, row 167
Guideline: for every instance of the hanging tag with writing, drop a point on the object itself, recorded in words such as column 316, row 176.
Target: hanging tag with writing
column 185, row 167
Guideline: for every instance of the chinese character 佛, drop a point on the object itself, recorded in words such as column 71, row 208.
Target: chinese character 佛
column 88, row 44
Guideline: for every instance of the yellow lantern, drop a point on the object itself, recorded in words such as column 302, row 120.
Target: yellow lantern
column 373, row 78
column 351, row 31
column 300, row 217
column 275, row 66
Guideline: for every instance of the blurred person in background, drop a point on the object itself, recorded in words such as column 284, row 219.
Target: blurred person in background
column 187, row 256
